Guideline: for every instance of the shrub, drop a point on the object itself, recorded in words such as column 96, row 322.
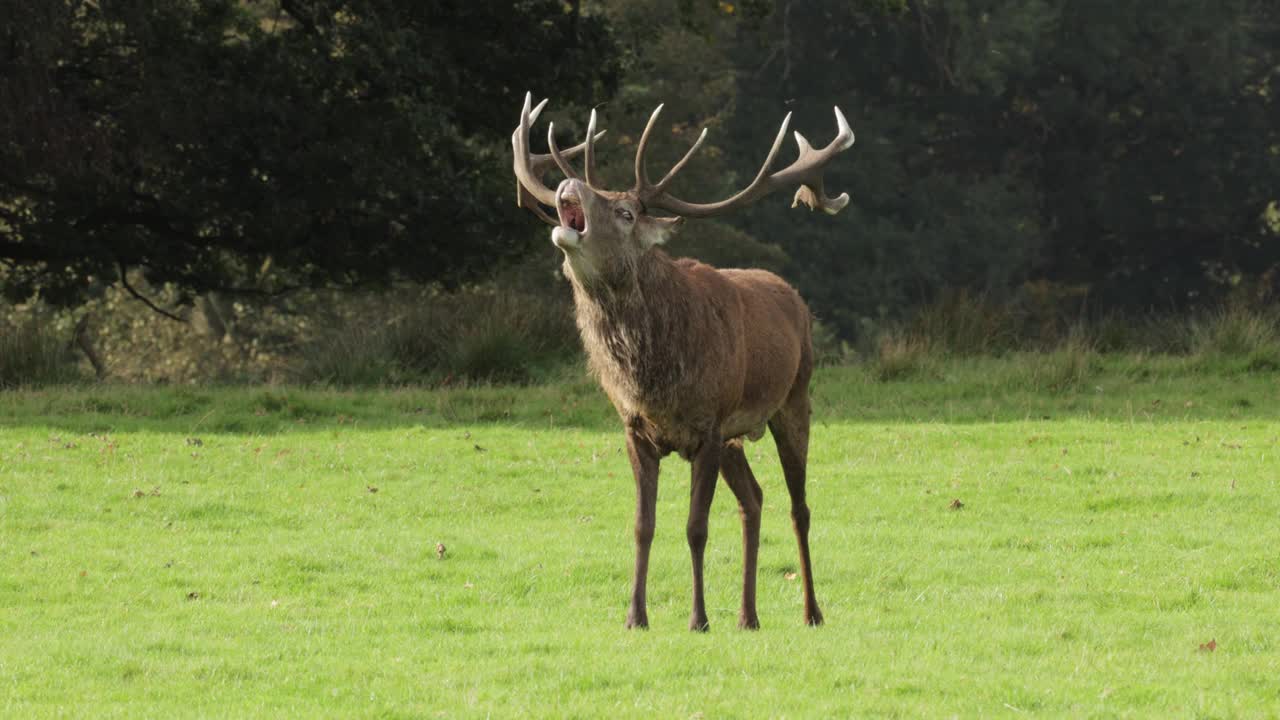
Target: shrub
column 900, row 356
column 1068, row 366
column 354, row 354
column 475, row 335
column 959, row 323
column 32, row 353
column 1234, row 330
column 828, row 348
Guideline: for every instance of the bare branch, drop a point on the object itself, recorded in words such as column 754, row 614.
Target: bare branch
column 124, row 282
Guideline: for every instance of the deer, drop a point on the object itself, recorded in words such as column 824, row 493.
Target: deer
column 694, row 359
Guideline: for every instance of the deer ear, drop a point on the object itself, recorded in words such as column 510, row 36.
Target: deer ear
column 657, row 231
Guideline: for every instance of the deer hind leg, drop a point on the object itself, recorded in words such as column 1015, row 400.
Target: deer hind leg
column 790, row 428
column 706, row 467
column 738, row 476
column 644, row 464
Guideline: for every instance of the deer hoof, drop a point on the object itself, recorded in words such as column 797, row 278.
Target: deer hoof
column 637, row 621
column 748, row 622
column 813, row 618
column 699, row 625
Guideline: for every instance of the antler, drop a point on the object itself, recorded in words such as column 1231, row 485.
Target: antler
column 530, row 167
column 806, row 172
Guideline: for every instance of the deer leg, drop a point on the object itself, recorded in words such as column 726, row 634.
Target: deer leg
column 706, row 466
column 790, row 428
column 644, row 464
column 737, row 475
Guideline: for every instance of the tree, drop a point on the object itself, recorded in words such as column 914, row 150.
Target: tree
column 254, row 146
column 1125, row 146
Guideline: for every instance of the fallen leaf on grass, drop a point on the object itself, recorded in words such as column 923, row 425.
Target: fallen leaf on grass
column 1209, row 646
column 371, row 488
column 440, row 551
column 195, row 442
column 193, row 595
column 790, row 576
column 956, row 504
column 480, row 449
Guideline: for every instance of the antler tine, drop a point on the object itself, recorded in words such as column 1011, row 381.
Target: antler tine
column 533, row 117
column 665, row 201
column 564, row 165
column 773, row 155
column 530, row 167
column 806, row 172
column 662, row 184
column 589, row 158
column 642, row 172
column 528, row 178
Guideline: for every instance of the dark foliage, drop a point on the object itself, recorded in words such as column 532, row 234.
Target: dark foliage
column 1126, row 148
column 262, row 145
column 1087, row 154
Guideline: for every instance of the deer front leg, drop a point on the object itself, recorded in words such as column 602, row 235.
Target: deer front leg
column 706, row 469
column 644, row 464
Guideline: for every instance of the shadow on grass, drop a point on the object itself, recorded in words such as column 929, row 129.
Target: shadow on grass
column 975, row 391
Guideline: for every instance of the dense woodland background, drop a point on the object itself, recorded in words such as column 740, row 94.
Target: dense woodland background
column 320, row 190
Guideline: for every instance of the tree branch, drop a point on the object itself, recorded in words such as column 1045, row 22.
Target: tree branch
column 85, row 343
column 300, row 16
column 124, row 281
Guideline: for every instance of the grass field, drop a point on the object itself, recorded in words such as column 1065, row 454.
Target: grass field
column 253, row 552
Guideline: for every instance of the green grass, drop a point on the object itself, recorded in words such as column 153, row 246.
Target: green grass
column 222, row 552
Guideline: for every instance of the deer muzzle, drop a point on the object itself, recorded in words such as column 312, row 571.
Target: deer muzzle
column 573, row 219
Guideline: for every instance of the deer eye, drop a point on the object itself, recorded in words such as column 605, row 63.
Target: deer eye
column 625, row 214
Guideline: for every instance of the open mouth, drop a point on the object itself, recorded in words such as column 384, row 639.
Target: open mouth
column 571, row 214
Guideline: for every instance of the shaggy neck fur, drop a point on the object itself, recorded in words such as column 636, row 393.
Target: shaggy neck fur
column 634, row 325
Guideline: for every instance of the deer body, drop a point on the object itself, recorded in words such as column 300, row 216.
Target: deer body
column 694, row 359
column 649, row 342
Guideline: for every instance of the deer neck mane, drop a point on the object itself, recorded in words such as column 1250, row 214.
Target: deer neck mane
column 635, row 330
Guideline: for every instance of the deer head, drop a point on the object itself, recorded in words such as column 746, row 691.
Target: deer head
column 602, row 233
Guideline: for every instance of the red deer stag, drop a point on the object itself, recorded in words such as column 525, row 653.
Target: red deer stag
column 694, row 359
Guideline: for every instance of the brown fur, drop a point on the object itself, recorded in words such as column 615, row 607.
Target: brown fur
column 695, row 359
column 686, row 348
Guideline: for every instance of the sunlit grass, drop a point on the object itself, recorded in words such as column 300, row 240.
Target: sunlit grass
column 274, row 552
